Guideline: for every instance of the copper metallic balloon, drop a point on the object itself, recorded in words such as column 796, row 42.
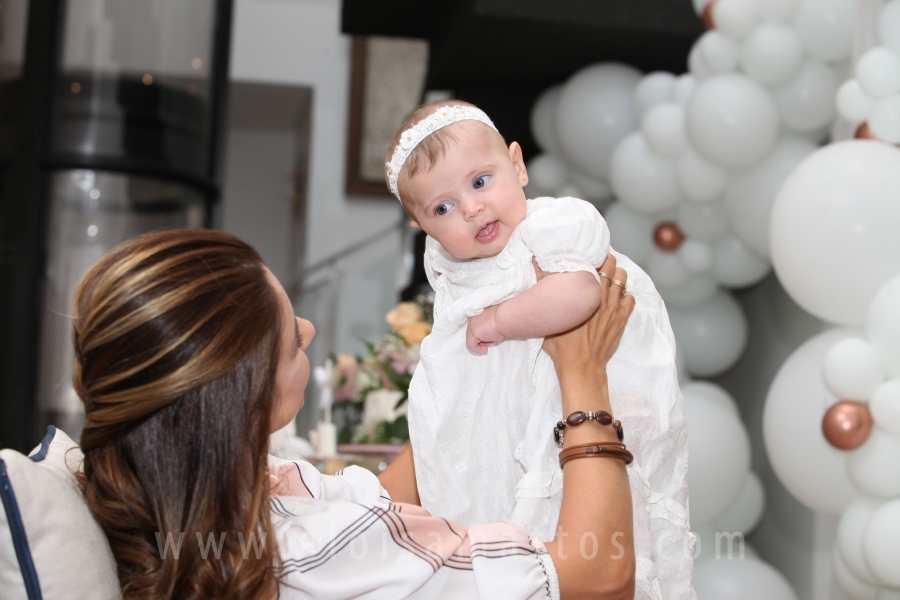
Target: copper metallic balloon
column 668, row 236
column 864, row 133
column 847, row 424
column 707, row 15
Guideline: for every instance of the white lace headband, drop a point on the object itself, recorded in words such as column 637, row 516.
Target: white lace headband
column 412, row 137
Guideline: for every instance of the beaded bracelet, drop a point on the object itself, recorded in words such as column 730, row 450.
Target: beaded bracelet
column 578, row 417
column 604, row 450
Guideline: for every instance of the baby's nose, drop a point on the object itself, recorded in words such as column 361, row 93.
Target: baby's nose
column 474, row 208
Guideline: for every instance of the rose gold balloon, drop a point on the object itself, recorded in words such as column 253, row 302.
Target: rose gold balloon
column 864, row 133
column 707, row 15
column 847, row 424
column 668, row 236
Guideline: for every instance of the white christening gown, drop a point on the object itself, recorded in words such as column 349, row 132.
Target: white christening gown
column 482, row 425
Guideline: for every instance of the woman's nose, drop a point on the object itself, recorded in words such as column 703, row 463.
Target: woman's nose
column 307, row 332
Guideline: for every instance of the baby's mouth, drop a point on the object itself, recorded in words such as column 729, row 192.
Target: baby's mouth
column 488, row 232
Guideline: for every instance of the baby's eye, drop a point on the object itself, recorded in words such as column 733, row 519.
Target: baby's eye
column 442, row 209
column 481, row 181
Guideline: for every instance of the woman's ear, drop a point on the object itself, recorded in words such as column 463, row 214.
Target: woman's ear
column 515, row 155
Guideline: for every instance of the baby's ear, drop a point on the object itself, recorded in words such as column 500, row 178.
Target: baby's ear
column 515, row 155
column 414, row 223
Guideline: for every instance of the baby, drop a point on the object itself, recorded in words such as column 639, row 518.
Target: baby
column 484, row 399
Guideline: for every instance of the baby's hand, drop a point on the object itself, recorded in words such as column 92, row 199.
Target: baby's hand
column 482, row 331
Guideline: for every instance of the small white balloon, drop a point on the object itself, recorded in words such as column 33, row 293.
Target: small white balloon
column 740, row 580
column 735, row 18
column 696, row 255
column 654, row 88
column 750, row 194
column 744, row 515
column 883, row 325
column 714, row 393
column 853, row 102
column 695, row 292
column 735, row 265
column 663, row 129
column 889, row 26
column 684, row 89
column 547, row 172
column 719, row 52
column 569, row 190
column 806, row 103
column 543, row 119
column 713, row 335
column 720, row 455
column 593, row 189
column 776, row 11
column 884, row 119
column 641, row 179
column 878, row 72
column 732, row 120
column 853, row 370
column 874, row 467
column 885, row 406
column 849, row 540
column 699, row 179
column 810, row 468
column 697, row 66
column 852, row 585
column 666, row 269
column 772, row 54
column 631, row 232
column 704, row 222
column 881, row 544
column 826, row 28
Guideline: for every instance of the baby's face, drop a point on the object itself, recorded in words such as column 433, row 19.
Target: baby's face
column 471, row 199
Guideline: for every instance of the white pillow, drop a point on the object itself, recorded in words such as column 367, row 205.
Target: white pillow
column 50, row 545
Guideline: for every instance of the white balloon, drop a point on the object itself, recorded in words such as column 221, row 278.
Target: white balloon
column 663, row 130
column 852, row 585
column 704, row 222
column 806, row 103
column 735, row 18
column 547, row 172
column 885, row 406
column 735, row 265
column 826, row 28
column 569, row 190
column 697, row 66
column 594, row 189
column 720, row 455
column 732, row 120
column 772, row 54
column 654, row 88
column 750, row 194
column 641, row 179
column 874, row 467
column 850, row 536
column 684, row 88
column 853, row 102
column 543, row 119
column 776, row 10
column 883, row 325
column 884, row 119
column 683, row 376
column 594, row 113
column 837, row 213
column 714, row 393
column 696, row 255
column 744, row 515
column 699, row 179
column 889, row 26
column 713, row 335
column 697, row 291
column 881, row 544
column 631, row 232
column 853, row 370
column 810, row 468
column 666, row 269
column 740, row 580
column 878, row 72
column 719, row 52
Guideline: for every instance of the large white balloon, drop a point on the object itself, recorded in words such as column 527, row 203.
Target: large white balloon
column 712, row 335
column 547, row 172
column 884, row 119
column 732, row 120
column 543, row 119
column 684, row 89
column 826, row 28
column 772, row 54
column 852, row 585
column 885, row 406
column 812, row 470
column 631, row 232
column 712, row 392
column 744, row 515
column 881, row 544
column 883, row 325
column 641, row 179
column 850, row 533
column 720, row 455
column 750, row 195
column 594, row 113
column 667, row 270
column 718, row 52
column 735, row 265
column 806, row 104
column 594, row 189
column 696, row 255
column 695, row 292
column 776, row 10
column 705, row 222
column 699, row 179
column 874, row 467
column 740, row 580
column 889, row 26
column 852, row 370
column 878, row 72
column 853, row 102
column 654, row 88
column 837, row 213
column 663, row 130
column 735, row 18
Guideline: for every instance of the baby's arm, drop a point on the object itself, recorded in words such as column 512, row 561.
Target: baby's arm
column 556, row 303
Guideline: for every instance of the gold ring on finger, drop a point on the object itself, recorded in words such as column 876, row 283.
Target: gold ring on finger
column 621, row 284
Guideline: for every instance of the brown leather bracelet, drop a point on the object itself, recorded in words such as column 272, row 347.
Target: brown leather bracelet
column 604, row 450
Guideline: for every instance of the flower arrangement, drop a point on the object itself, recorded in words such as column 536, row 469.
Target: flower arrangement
column 370, row 392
